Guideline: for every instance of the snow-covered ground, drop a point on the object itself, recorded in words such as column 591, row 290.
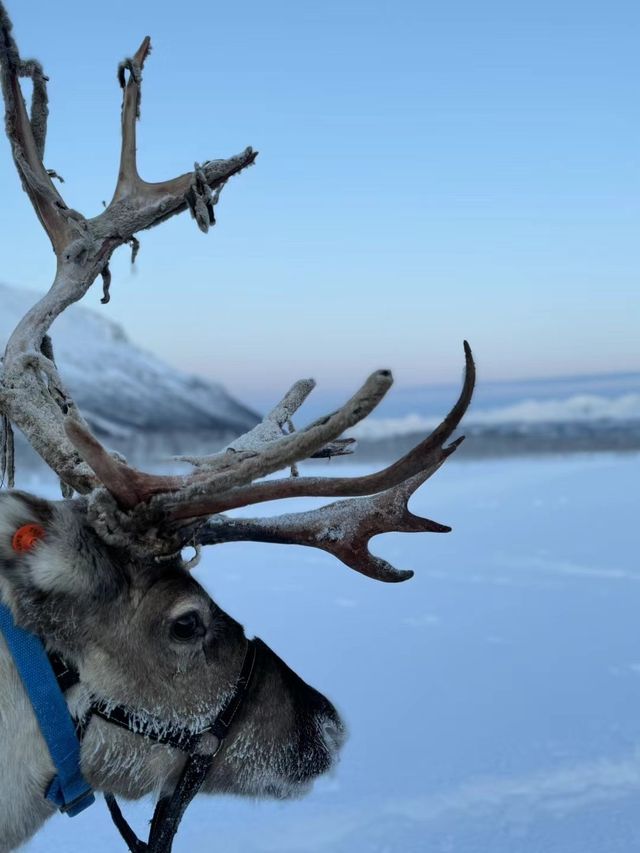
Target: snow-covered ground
column 493, row 701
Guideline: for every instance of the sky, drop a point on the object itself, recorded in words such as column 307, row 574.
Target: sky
column 428, row 172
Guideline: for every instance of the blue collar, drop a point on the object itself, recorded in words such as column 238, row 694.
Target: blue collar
column 67, row 790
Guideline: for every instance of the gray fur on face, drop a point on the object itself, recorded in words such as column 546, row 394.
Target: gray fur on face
column 114, row 619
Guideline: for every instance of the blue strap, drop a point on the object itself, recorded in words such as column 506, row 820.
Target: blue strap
column 68, row 790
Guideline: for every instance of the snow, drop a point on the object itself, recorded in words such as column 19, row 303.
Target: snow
column 577, row 408
column 492, row 701
column 123, row 391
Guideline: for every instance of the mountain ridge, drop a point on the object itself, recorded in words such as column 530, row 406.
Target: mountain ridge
column 132, row 399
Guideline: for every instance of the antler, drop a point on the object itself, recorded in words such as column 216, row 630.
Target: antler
column 269, row 452
column 343, row 528
column 205, row 496
column 32, row 395
column 272, row 428
column 163, row 511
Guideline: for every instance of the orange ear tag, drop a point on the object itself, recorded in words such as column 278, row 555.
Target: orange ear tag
column 26, row 537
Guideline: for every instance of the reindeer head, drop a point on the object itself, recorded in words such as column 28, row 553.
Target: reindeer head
column 144, row 634
column 103, row 582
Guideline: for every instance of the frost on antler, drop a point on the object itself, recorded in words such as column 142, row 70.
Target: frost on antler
column 27, row 133
column 156, row 513
column 137, row 501
column 379, row 503
column 343, row 529
column 131, row 487
column 83, row 246
column 274, row 425
column 200, row 498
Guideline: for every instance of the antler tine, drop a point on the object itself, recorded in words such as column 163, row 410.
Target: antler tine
column 128, row 177
column 201, row 499
column 295, row 446
column 131, row 487
column 343, row 528
column 138, row 204
column 271, row 428
column 27, row 134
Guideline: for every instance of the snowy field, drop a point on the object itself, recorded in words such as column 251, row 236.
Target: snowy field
column 493, row 701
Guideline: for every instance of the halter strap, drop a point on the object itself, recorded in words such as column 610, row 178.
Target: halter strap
column 179, row 737
column 68, row 790
column 168, row 812
column 171, row 808
column 46, row 678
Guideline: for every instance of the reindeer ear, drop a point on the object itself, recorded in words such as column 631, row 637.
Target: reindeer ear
column 23, row 524
column 47, row 547
column 35, row 572
column 32, row 551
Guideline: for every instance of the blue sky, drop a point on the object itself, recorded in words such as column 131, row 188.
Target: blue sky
column 427, row 172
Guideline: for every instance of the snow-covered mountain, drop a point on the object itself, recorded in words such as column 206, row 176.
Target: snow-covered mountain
column 133, row 400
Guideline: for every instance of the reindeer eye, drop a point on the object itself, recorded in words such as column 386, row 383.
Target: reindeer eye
column 187, row 627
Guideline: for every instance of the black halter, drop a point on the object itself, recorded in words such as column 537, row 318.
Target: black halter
column 169, row 809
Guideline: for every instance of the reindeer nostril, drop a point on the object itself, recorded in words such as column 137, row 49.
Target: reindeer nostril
column 333, row 735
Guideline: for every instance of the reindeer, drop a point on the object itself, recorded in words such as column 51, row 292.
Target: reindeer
column 161, row 690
